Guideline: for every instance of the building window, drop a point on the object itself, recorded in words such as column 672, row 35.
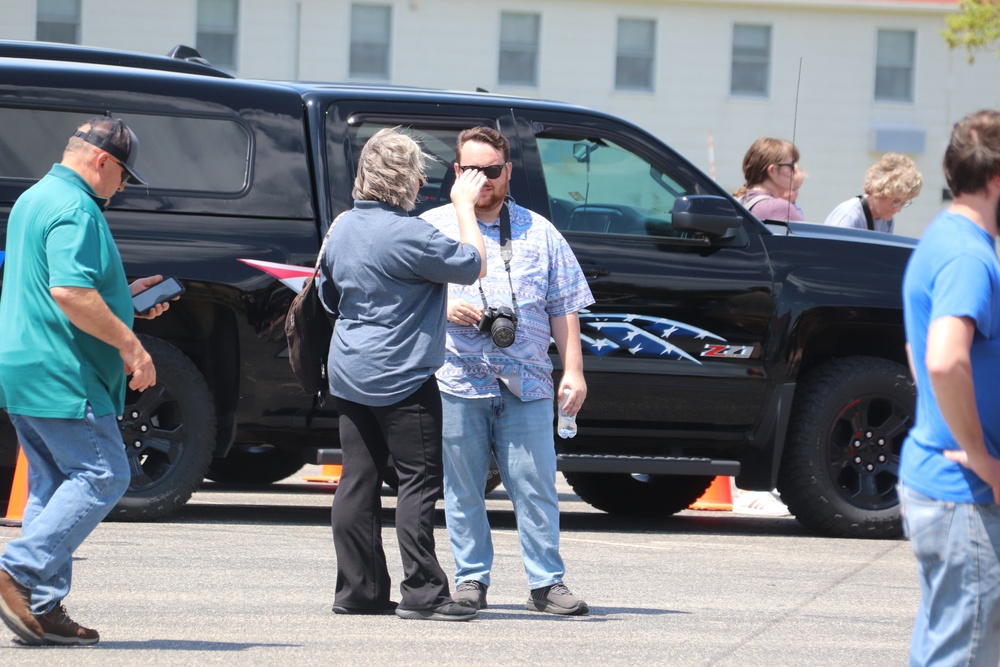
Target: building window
column 751, row 60
column 217, row 30
column 518, row 49
column 636, row 53
column 895, row 62
column 370, row 29
column 58, row 21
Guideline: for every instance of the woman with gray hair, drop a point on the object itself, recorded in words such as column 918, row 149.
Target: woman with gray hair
column 385, row 276
column 891, row 185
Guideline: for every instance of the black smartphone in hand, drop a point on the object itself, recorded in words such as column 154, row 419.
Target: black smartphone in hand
column 164, row 290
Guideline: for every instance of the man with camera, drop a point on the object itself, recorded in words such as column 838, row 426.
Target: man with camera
column 496, row 381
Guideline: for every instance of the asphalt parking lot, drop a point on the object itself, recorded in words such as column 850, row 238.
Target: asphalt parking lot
column 246, row 577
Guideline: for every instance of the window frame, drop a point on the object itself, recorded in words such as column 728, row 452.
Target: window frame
column 355, row 44
column 507, row 49
column 736, row 60
column 58, row 20
column 216, row 30
column 911, row 68
column 648, row 56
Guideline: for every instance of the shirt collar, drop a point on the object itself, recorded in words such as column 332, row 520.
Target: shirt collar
column 71, row 176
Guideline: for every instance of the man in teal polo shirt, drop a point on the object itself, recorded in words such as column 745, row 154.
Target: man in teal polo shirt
column 65, row 349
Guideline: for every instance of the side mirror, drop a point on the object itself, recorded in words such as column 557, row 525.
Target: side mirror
column 582, row 151
column 706, row 214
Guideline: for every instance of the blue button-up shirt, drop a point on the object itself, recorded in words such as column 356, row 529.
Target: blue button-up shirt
column 548, row 283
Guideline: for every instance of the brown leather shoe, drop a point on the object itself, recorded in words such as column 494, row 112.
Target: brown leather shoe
column 15, row 608
column 59, row 628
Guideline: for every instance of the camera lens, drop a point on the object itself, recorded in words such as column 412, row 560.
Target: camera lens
column 502, row 332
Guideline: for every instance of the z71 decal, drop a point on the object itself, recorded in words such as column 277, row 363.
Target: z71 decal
column 727, row 351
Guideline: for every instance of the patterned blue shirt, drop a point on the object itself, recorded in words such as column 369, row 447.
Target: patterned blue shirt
column 548, row 283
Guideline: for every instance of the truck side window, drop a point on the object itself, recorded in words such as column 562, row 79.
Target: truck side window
column 174, row 153
column 596, row 186
column 32, row 140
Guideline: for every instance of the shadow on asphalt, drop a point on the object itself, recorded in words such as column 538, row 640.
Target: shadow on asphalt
column 705, row 523
column 181, row 645
column 598, row 614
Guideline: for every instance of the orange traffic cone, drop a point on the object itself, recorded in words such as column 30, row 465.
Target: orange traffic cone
column 329, row 475
column 718, row 496
column 18, row 493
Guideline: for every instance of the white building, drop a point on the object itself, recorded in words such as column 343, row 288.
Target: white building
column 848, row 79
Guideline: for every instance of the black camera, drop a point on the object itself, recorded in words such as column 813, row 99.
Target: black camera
column 501, row 323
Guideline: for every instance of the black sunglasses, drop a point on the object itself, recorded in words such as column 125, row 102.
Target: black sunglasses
column 125, row 174
column 490, row 171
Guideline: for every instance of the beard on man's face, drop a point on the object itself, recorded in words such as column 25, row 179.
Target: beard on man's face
column 491, row 198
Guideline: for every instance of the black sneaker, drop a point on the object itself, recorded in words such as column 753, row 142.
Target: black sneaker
column 471, row 593
column 378, row 610
column 449, row 611
column 556, row 599
column 60, row 629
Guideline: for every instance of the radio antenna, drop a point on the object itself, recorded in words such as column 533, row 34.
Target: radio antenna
column 795, row 123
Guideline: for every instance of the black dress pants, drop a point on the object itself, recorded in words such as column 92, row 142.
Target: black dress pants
column 411, row 431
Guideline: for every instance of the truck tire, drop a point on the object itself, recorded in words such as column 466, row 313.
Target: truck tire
column 841, row 464
column 255, row 464
column 638, row 495
column 169, row 433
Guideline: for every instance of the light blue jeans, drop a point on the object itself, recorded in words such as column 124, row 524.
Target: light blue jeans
column 957, row 546
column 77, row 471
column 519, row 434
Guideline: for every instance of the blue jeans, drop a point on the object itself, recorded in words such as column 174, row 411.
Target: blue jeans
column 77, row 471
column 519, row 434
column 957, row 546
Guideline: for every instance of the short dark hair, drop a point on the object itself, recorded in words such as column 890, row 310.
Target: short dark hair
column 483, row 135
column 973, row 154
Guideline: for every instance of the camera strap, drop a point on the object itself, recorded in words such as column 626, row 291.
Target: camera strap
column 506, row 246
column 506, row 254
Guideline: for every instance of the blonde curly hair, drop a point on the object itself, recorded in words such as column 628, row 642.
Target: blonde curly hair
column 894, row 176
column 391, row 170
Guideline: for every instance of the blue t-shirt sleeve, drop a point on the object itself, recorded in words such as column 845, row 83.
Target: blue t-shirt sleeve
column 73, row 248
column 445, row 260
column 962, row 288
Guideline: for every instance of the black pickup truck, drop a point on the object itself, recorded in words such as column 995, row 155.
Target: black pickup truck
column 718, row 345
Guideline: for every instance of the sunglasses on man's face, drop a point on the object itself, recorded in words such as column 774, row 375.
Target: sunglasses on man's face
column 490, row 171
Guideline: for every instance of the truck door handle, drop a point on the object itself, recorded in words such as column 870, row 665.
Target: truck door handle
column 593, row 270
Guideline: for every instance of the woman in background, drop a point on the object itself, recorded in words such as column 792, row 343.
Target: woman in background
column 769, row 168
column 891, row 185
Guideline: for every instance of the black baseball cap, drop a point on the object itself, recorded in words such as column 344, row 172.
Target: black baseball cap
column 115, row 138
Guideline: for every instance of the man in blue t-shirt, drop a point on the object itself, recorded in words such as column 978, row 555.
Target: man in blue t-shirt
column 950, row 467
column 62, row 371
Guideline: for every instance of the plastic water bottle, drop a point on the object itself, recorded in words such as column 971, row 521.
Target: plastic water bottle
column 567, row 422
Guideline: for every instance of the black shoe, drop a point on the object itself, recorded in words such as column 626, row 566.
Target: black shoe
column 471, row 593
column 380, row 610
column 449, row 611
column 556, row 599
